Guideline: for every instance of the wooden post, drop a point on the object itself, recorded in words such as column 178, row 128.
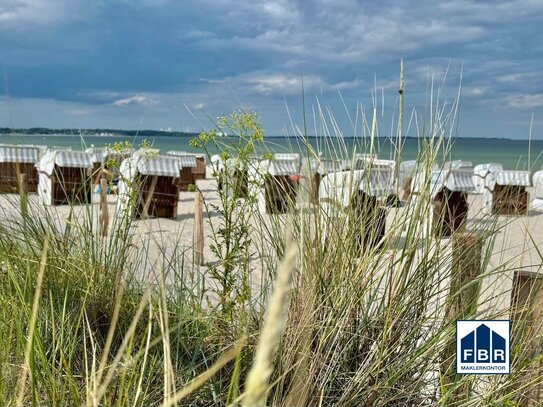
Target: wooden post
column 150, row 194
column 23, row 193
column 198, row 229
column 104, row 212
column 462, row 303
column 526, row 321
column 407, row 188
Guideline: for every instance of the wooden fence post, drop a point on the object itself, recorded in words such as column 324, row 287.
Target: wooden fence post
column 104, row 212
column 526, row 317
column 150, row 194
column 462, row 302
column 198, row 229
column 23, row 193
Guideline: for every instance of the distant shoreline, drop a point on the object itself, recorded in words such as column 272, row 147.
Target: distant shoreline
column 112, row 133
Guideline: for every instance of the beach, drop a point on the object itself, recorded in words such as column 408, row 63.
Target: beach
column 164, row 248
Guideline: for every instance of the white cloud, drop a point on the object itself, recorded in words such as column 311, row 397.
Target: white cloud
column 282, row 84
column 280, row 10
column 474, row 91
column 270, row 84
column 520, row 77
column 491, row 11
column 136, row 100
column 36, row 13
column 342, row 33
column 525, row 101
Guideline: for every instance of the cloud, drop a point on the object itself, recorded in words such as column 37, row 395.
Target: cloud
column 147, row 57
column 38, row 13
column 474, row 91
column 136, row 100
column 271, row 84
column 525, row 101
column 493, row 11
column 343, row 33
column 283, row 84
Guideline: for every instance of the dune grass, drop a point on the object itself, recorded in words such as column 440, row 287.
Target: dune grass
column 326, row 323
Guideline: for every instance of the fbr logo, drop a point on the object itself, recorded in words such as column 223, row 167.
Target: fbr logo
column 482, row 347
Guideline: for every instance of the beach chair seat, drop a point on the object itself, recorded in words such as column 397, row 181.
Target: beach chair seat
column 509, row 195
column 450, row 211
column 280, row 193
column 71, row 186
column 510, row 200
column 17, row 160
column 149, row 185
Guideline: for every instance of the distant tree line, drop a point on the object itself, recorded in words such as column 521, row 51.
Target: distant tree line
column 88, row 132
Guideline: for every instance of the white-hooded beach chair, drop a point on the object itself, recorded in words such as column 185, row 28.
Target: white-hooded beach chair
column 15, row 161
column 197, row 168
column 65, row 177
column 387, row 173
column 358, row 193
column 506, row 194
column 447, row 190
column 274, row 182
column 189, row 165
column 149, row 185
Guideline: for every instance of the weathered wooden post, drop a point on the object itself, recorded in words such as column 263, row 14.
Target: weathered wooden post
column 198, row 229
column 526, row 321
column 104, row 212
column 462, row 302
column 23, row 193
column 407, row 188
column 150, row 193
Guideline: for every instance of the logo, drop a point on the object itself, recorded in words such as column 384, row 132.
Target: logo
column 482, row 347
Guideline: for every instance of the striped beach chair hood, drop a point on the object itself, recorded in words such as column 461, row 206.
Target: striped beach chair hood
column 282, row 164
column 64, row 158
column 149, row 162
column 16, row 154
column 460, row 180
column 520, row 178
column 341, row 186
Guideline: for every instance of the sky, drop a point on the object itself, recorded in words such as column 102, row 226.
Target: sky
column 157, row 64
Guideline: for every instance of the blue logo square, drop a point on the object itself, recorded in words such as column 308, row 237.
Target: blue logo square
column 483, row 347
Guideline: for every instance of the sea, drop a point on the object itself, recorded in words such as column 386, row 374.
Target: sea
column 512, row 154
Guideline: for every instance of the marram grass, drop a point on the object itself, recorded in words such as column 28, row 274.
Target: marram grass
column 329, row 325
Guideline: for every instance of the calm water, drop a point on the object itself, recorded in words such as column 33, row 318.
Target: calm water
column 513, row 154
